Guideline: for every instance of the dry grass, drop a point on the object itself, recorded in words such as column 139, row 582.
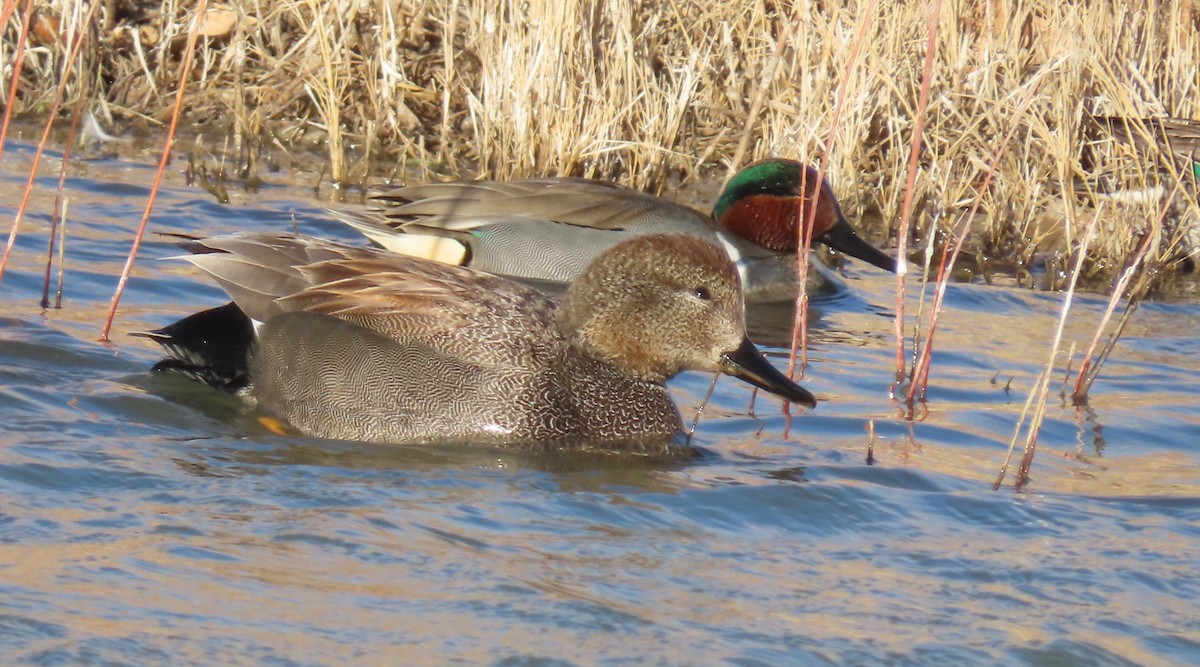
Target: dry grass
column 647, row 92
column 642, row 92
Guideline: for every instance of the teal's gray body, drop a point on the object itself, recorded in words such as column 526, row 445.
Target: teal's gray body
column 551, row 228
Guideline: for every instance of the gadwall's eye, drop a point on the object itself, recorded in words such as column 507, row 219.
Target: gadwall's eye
column 702, row 293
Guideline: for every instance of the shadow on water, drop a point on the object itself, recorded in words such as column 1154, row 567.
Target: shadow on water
column 569, row 471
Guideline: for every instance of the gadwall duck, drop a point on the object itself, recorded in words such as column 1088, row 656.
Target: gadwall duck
column 365, row 344
column 550, row 228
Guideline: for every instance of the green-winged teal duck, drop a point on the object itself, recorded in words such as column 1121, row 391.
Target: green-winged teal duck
column 1164, row 138
column 550, row 228
column 365, row 344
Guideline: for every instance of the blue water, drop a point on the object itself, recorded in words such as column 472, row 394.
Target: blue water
column 148, row 520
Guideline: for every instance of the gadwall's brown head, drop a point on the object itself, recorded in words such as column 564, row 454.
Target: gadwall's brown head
column 656, row 305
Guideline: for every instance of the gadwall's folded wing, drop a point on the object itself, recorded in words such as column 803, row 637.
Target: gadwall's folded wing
column 405, row 298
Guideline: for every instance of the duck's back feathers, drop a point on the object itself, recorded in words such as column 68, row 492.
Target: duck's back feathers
column 545, row 229
column 466, row 205
column 400, row 297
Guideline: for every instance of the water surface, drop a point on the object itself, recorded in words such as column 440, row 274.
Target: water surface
column 148, row 520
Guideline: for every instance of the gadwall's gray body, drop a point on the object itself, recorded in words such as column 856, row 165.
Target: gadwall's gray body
column 364, row 344
column 550, row 228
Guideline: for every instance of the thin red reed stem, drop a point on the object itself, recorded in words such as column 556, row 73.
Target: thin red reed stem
column 59, row 210
column 800, row 320
column 188, row 57
column 910, row 185
column 9, row 6
column 1089, row 369
column 37, row 156
column 921, row 370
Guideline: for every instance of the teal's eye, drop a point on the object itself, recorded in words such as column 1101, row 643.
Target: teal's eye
column 702, row 293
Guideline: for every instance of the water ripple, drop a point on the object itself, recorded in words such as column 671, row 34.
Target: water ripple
column 148, row 520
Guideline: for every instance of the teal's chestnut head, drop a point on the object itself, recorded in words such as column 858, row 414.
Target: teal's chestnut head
column 766, row 202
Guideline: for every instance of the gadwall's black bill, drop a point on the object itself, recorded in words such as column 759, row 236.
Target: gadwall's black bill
column 748, row 363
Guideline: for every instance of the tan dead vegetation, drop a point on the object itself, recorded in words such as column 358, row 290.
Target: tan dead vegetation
column 652, row 93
